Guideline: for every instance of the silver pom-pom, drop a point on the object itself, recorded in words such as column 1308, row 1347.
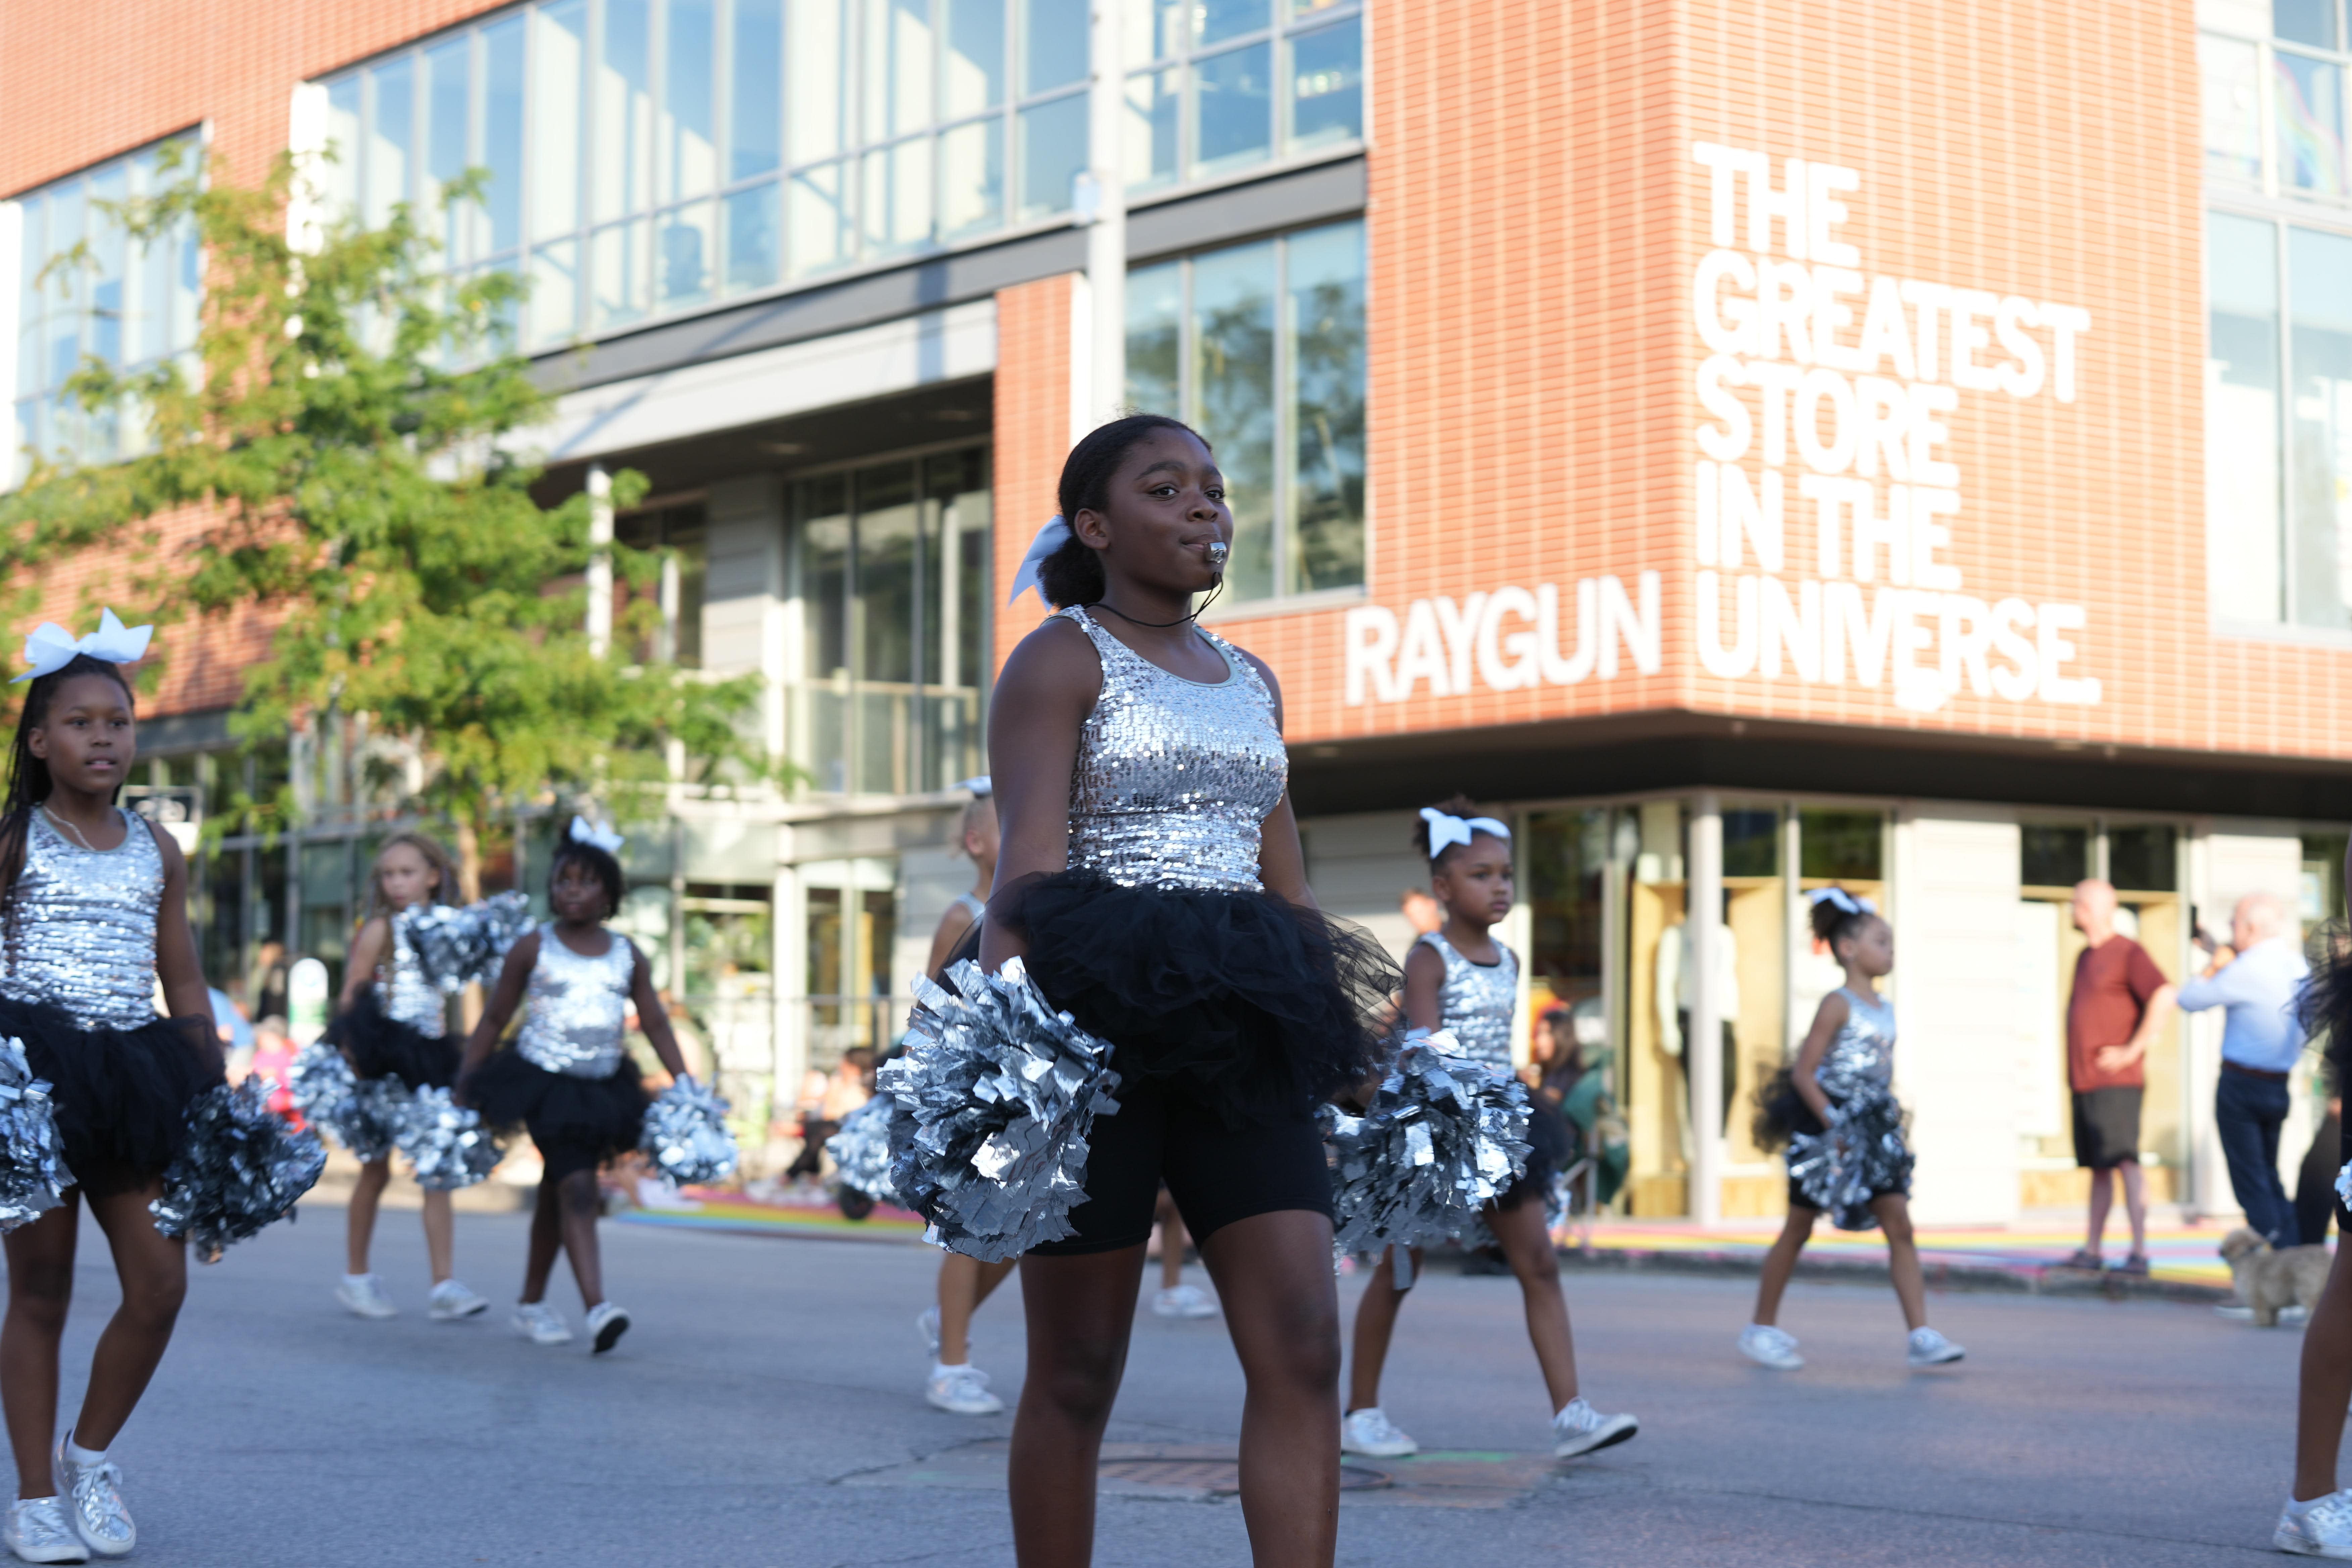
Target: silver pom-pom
column 991, row 1105
column 362, row 1114
column 1443, row 1137
column 239, row 1169
column 1842, row 1167
column 861, row 1152
column 686, row 1135
column 459, row 947
column 446, row 1142
column 33, row 1174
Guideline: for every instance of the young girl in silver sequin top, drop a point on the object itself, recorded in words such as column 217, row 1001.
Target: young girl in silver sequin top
column 569, row 1078
column 1459, row 979
column 1835, row 1107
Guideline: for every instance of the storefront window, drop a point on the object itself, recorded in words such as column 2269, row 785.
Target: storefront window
column 2290, row 69
column 2052, row 856
column 676, row 593
column 1753, row 942
column 1657, row 1104
column 1247, row 81
column 2245, row 542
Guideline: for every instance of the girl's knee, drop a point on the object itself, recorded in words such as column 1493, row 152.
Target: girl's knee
column 1081, row 1380
column 577, row 1194
column 376, row 1173
column 39, row 1294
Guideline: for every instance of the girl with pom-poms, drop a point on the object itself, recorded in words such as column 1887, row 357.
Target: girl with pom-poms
column 1835, row 1108
column 569, row 1078
column 394, row 1027
column 1460, row 980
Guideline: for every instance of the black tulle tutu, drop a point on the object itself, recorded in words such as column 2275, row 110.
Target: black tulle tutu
column 1242, row 1002
column 2325, row 1007
column 578, row 1123
column 1551, row 1151
column 381, row 1047
column 123, row 1095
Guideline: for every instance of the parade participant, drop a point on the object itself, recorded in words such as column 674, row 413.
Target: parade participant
column 1152, row 880
column 2317, row 1518
column 1459, row 979
column 569, row 1078
column 1835, row 1110
column 394, row 1025
column 93, row 912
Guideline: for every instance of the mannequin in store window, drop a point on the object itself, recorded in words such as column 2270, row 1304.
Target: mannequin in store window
column 1676, row 992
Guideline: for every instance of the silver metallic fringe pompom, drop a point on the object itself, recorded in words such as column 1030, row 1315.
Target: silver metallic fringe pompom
column 362, row 1114
column 457, row 946
column 33, row 1174
column 861, row 1152
column 686, row 1134
column 2344, row 1184
column 1443, row 1137
column 1840, row 1168
column 446, row 1142
column 991, row 1105
column 239, row 1169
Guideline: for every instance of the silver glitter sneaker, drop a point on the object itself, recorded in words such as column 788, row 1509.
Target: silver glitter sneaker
column 2322, row 1530
column 93, row 1498
column 1580, row 1429
column 36, row 1531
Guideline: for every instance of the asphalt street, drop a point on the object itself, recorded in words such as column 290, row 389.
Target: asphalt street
column 766, row 1410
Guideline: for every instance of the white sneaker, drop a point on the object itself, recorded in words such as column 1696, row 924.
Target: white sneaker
column 1184, row 1301
column 607, row 1323
column 2323, row 1528
column 2294, row 1313
column 36, row 1531
column 1929, row 1348
column 450, row 1301
column 1581, row 1430
column 363, row 1297
column 961, row 1391
column 93, row 1498
column 1768, row 1346
column 1370, row 1432
column 2235, row 1312
column 927, row 1323
column 541, row 1324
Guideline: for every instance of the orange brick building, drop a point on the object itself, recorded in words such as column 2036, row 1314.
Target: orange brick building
column 1748, row 445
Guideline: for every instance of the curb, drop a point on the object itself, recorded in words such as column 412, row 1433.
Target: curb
column 2021, row 1279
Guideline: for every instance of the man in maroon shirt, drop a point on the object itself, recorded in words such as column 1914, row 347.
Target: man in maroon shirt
column 2118, row 1007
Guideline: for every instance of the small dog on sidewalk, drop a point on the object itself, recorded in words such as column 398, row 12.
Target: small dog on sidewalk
column 2269, row 1277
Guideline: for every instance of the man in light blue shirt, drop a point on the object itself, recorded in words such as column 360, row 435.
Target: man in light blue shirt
column 2261, row 1043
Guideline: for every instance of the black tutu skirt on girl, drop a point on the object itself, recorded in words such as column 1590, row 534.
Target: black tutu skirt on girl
column 121, row 1095
column 382, row 1047
column 578, row 1123
column 1243, row 1003
column 1838, row 1171
column 1551, row 1148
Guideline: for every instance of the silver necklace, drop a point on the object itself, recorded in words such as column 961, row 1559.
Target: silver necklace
column 57, row 821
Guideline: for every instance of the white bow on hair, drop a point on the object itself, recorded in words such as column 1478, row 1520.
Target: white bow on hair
column 51, row 648
column 1446, row 828
column 978, row 783
column 1050, row 538
column 586, row 832
column 1842, row 899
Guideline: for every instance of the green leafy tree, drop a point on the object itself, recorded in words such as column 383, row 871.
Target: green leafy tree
column 353, row 435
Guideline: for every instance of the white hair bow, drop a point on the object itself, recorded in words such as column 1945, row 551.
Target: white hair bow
column 1840, row 899
column 978, row 783
column 1050, row 538
column 1446, row 828
column 51, row 648
column 586, row 832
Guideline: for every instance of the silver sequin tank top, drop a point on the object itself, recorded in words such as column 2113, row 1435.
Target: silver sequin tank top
column 1861, row 1059
column 1173, row 777
column 405, row 993
column 1477, row 1002
column 86, row 925
column 577, row 1007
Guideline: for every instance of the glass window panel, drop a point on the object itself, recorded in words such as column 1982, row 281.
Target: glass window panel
column 1326, row 86
column 342, row 176
column 816, row 61
column 1053, row 151
column 1232, row 110
column 820, row 218
column 686, row 246
column 2053, row 855
column 2304, row 21
column 2232, row 96
column 1153, row 101
column 755, row 238
column 898, row 44
column 1155, row 30
column 972, row 76
column 559, row 56
column 63, row 319
column 1213, row 21
column 2141, row 859
column 971, row 177
column 824, row 577
column 391, row 137
column 623, row 281
column 689, row 130
column 1326, row 537
column 887, row 539
column 755, row 120
column 1751, row 842
column 1233, row 382
column 1841, row 845
column 2241, row 419
column 619, row 172
column 449, row 96
column 2310, row 109
column 2319, row 476
column 107, row 263
column 554, row 294
column 503, row 122
column 895, row 205
column 1155, row 317
column 1055, row 47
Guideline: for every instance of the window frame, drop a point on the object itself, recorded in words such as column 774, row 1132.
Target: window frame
column 2268, row 48
column 1287, row 25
